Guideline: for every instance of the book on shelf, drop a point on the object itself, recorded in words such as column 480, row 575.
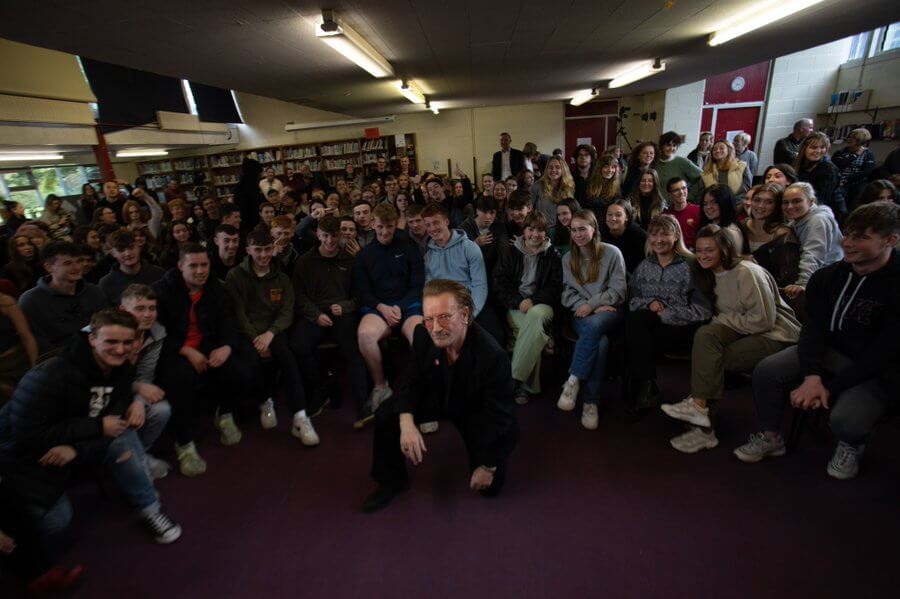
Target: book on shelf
column 340, row 148
column 374, row 144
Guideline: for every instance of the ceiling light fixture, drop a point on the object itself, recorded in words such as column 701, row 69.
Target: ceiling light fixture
column 759, row 16
column 33, row 156
column 645, row 70
column 431, row 106
column 582, row 97
column 410, row 93
column 139, row 153
column 351, row 45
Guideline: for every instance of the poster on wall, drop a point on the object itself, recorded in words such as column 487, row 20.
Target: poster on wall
column 583, row 141
column 400, row 140
column 730, row 135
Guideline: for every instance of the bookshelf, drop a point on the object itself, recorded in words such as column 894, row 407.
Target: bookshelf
column 222, row 170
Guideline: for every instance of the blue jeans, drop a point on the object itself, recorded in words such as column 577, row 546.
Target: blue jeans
column 157, row 418
column 589, row 356
column 131, row 474
column 53, row 520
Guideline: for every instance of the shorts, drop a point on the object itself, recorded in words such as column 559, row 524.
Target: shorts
column 414, row 309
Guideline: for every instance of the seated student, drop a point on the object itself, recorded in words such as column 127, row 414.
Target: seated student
column 665, row 309
column 362, row 216
column 593, row 288
column 847, row 358
column 388, row 275
column 621, row 232
column 230, row 215
column 768, row 237
column 211, row 219
column 140, row 301
column 646, row 198
column 199, row 349
column 61, row 304
column 718, row 205
column 687, row 214
column 264, row 305
column 458, row 373
column 178, row 233
column 128, row 269
column 23, row 551
column 24, row 266
column 452, row 255
column 18, row 348
column 324, row 306
column 751, row 322
column 488, row 233
column 78, row 407
column 455, row 206
column 527, row 286
column 816, row 228
column 101, row 261
column 305, row 232
column 668, row 165
column 560, row 235
column 415, row 227
column 348, row 241
column 266, row 213
column 282, row 231
column 517, row 208
column 223, row 251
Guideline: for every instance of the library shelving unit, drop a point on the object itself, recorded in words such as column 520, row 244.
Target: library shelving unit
column 222, row 170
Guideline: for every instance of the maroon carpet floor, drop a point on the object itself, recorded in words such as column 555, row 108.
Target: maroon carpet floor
column 615, row 513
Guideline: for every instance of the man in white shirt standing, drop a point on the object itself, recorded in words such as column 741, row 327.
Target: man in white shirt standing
column 508, row 161
column 270, row 182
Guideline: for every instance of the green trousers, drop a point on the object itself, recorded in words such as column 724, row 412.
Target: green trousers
column 531, row 337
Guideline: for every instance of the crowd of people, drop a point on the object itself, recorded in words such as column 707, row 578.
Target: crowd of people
column 124, row 319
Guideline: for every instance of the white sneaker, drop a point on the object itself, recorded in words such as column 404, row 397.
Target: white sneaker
column 569, row 396
column 303, row 430
column 267, row 418
column 694, row 440
column 428, row 427
column 844, row 464
column 688, row 411
column 589, row 417
column 380, row 394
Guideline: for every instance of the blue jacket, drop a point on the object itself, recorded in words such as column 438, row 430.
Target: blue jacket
column 461, row 261
column 390, row 274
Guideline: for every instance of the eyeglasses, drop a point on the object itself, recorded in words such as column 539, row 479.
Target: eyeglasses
column 442, row 319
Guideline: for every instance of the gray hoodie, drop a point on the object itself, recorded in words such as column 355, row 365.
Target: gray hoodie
column 609, row 288
column 820, row 241
column 461, row 261
column 529, row 266
column 55, row 317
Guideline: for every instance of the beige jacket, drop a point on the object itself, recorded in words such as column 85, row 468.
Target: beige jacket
column 747, row 301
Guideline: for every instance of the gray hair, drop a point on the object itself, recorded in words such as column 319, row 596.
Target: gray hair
column 805, row 188
column 745, row 137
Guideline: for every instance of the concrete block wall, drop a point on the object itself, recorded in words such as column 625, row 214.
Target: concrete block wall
column 683, row 108
column 800, row 86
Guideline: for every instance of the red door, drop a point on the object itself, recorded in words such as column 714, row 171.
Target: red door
column 593, row 123
column 730, row 121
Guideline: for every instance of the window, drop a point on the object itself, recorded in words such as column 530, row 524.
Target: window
column 31, row 186
column 869, row 44
column 891, row 38
column 859, row 45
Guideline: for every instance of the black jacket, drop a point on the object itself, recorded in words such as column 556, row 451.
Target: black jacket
column 247, row 195
column 476, row 392
column 632, row 244
column 59, row 402
column 825, row 178
column 508, row 277
column 215, row 313
column 516, row 163
column 867, row 331
column 490, row 252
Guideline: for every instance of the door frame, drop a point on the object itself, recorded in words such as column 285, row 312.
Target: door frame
column 759, row 123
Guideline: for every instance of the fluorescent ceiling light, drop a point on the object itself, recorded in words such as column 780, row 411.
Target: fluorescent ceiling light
column 410, row 92
column 645, row 70
column 435, row 110
column 138, row 153
column 582, row 97
column 13, row 157
column 759, row 16
column 350, row 44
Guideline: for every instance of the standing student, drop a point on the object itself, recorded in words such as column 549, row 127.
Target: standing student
column 751, row 322
column 593, row 289
column 665, row 309
column 263, row 300
column 687, row 214
column 669, row 165
column 527, row 286
column 812, row 166
column 621, row 232
column 388, row 275
column 816, row 229
column 79, row 406
column 847, row 359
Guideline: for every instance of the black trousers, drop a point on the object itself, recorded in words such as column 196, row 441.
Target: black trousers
column 305, row 338
column 287, row 365
column 389, row 463
column 647, row 338
column 29, row 559
column 226, row 385
column 490, row 321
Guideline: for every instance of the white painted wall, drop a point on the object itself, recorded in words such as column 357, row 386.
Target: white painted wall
column 683, row 111
column 801, row 86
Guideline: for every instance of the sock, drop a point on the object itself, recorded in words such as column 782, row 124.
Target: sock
column 573, row 379
column 299, row 415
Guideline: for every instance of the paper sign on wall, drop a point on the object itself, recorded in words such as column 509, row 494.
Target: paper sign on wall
column 583, row 141
column 400, row 140
column 730, row 135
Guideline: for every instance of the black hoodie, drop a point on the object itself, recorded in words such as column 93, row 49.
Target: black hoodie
column 60, row 402
column 247, row 195
column 857, row 316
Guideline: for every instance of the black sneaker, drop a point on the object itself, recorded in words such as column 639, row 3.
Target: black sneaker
column 381, row 497
column 163, row 529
